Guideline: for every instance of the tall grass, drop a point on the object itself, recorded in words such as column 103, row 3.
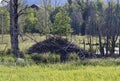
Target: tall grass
column 60, row 72
column 27, row 42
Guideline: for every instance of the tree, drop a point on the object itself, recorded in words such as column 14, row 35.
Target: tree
column 14, row 26
column 5, row 15
column 107, row 22
column 112, row 25
column 21, row 21
column 76, row 22
column 46, row 3
column 14, row 29
column 61, row 25
column 84, row 8
column 40, row 24
column 100, row 8
column 41, row 18
column 30, row 21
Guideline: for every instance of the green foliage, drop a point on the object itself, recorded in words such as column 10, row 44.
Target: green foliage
column 9, row 51
column 73, row 57
column 53, row 14
column 40, row 25
column 100, row 5
column 5, row 20
column 46, row 58
column 7, row 59
column 10, row 60
column 43, row 21
column 30, row 20
column 61, row 25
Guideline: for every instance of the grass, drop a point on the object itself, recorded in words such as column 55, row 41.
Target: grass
column 60, row 72
column 24, row 45
column 87, row 70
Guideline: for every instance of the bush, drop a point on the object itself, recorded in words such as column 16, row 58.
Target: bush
column 99, row 62
column 45, row 58
column 9, row 51
column 12, row 61
column 27, row 56
column 8, row 59
column 73, row 57
column 54, row 58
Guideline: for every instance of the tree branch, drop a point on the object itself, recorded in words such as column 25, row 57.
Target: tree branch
column 20, row 12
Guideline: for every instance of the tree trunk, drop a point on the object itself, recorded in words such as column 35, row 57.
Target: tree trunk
column 107, row 45
column 90, row 45
column 113, row 45
column 119, row 47
column 14, row 26
column 63, row 56
column 100, row 45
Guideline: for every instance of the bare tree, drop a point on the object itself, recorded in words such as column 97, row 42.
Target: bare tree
column 45, row 4
column 112, row 24
column 14, row 26
column 14, row 30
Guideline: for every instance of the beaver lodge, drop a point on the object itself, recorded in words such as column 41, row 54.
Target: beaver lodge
column 57, row 45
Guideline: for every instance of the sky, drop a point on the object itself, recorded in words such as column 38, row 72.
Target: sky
column 0, row 3
column 30, row 2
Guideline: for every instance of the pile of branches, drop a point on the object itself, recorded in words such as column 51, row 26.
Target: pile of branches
column 58, row 45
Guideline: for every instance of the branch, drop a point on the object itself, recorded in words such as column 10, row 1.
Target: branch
column 22, row 11
column 31, row 38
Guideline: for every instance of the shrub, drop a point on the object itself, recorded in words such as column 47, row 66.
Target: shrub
column 45, row 58
column 73, row 57
column 99, row 62
column 54, row 58
column 8, row 59
column 27, row 56
column 9, row 51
